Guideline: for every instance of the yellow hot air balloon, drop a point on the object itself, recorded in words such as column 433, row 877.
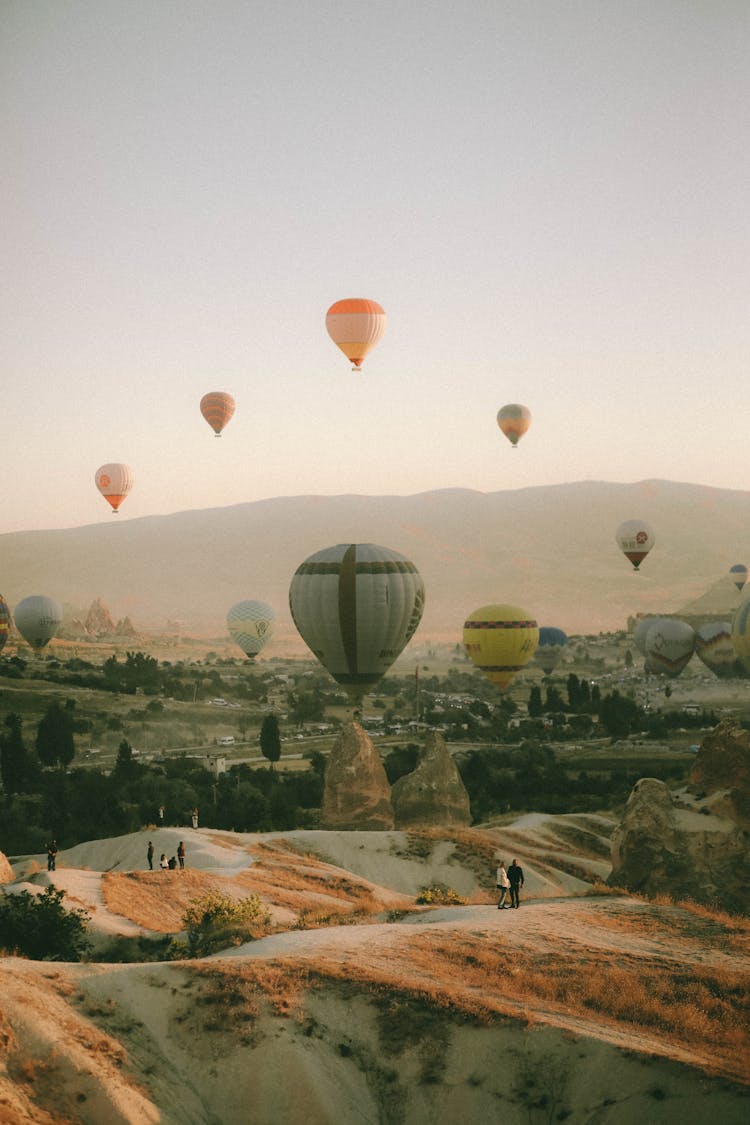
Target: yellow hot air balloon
column 514, row 420
column 114, row 482
column 217, row 407
column 501, row 640
column 356, row 325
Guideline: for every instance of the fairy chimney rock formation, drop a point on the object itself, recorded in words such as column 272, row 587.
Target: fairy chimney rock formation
column 98, row 620
column 434, row 793
column 721, row 772
column 676, row 845
column 356, row 793
column 6, row 871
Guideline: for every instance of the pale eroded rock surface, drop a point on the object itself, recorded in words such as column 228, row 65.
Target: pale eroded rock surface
column 433, row 794
column 356, row 792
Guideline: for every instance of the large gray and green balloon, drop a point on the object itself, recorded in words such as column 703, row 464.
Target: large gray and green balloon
column 356, row 605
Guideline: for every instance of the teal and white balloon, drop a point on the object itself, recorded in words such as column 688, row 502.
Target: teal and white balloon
column 356, row 605
column 37, row 619
column 251, row 625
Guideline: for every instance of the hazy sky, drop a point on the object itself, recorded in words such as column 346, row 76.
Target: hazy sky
column 550, row 200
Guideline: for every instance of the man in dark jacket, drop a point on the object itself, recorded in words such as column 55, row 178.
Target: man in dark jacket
column 515, row 875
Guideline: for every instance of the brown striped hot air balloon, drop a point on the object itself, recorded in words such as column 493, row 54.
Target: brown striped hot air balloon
column 355, row 325
column 357, row 606
column 114, row 482
column 635, row 539
column 4, row 622
column 501, row 640
column 217, row 407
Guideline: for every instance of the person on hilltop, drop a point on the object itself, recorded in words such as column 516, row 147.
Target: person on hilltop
column 503, row 885
column 181, row 853
column 194, row 818
column 52, row 855
column 150, row 856
column 515, row 875
column 172, row 864
column 163, row 862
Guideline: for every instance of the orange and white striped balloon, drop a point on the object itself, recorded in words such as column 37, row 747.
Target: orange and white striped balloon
column 356, row 325
column 217, row 407
column 114, row 482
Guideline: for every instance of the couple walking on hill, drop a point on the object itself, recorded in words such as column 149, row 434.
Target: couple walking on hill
column 509, row 880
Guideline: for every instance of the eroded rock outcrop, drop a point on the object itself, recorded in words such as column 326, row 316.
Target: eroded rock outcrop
column 356, row 793
column 6, row 871
column 676, row 845
column 434, row 792
column 98, row 619
column 721, row 772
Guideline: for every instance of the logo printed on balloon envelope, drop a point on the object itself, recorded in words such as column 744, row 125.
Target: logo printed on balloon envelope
column 356, row 606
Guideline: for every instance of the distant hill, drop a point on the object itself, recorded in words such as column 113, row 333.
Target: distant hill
column 550, row 549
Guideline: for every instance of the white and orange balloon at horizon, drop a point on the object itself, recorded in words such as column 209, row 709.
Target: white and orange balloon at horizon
column 114, row 481
column 356, row 325
column 356, row 606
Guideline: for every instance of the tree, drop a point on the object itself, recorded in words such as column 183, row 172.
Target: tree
column 535, row 702
column 54, row 736
column 16, row 767
column 628, row 658
column 39, row 927
column 270, row 739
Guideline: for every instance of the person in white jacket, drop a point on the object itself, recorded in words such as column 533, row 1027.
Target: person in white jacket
column 503, row 885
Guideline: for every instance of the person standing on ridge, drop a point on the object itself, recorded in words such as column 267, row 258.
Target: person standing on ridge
column 150, row 856
column 515, row 875
column 503, row 885
column 181, row 853
column 52, row 855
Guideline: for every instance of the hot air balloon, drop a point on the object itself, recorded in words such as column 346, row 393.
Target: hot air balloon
column 551, row 646
column 713, row 644
column 500, row 639
column 355, row 325
column 635, row 539
column 114, row 482
column 217, row 407
column 741, row 632
column 738, row 574
column 356, row 605
column 250, row 625
column 4, row 622
column 669, row 646
column 640, row 631
column 37, row 619
column 514, row 420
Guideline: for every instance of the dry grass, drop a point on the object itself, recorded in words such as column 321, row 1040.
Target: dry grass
column 676, row 1006
column 702, row 927
column 157, row 900
column 231, row 997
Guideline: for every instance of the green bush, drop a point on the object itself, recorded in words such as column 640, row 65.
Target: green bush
column 216, row 921
column 39, row 927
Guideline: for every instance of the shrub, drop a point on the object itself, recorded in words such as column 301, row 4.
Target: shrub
column 215, row 921
column 437, row 894
column 39, row 927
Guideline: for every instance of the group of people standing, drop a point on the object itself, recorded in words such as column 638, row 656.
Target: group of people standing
column 164, row 863
column 508, row 883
